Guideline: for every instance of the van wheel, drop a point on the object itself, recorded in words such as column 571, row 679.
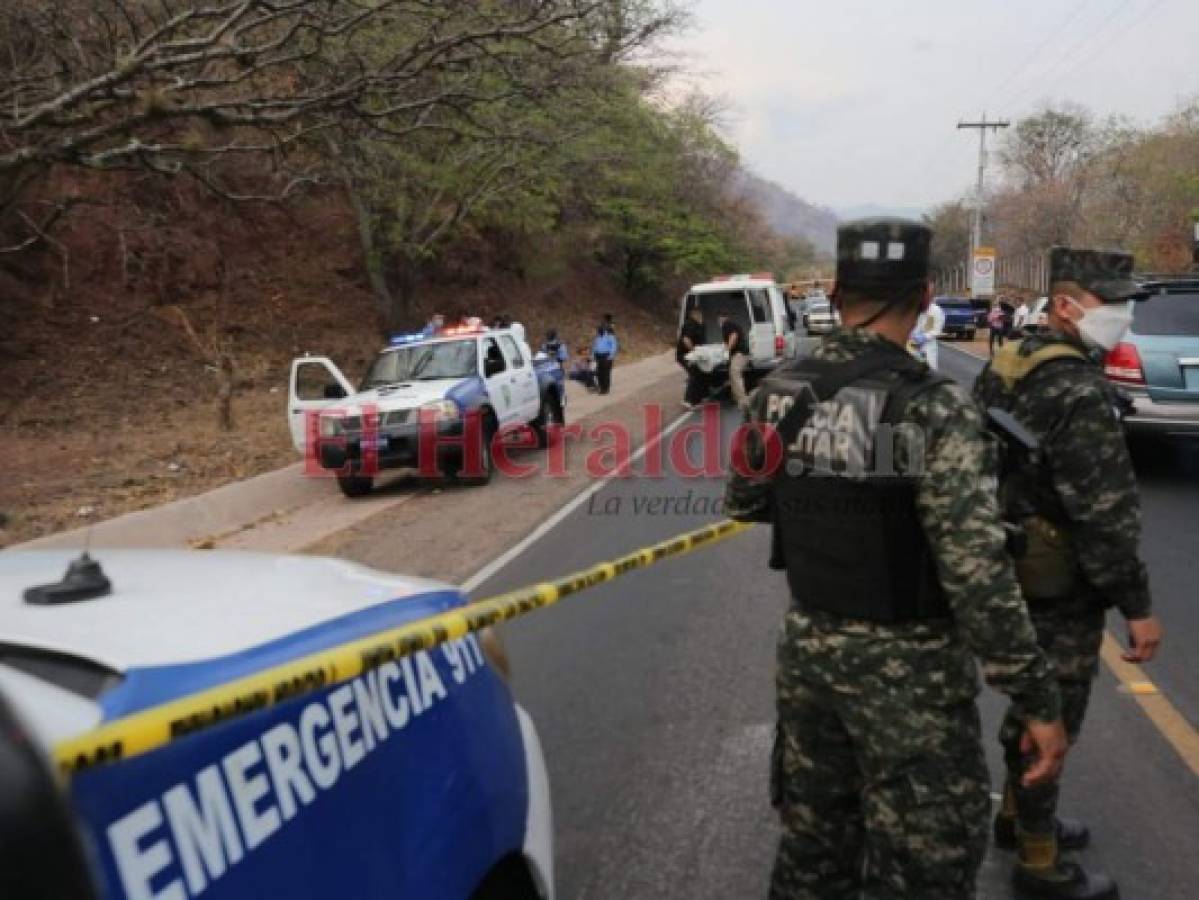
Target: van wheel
column 355, row 485
column 486, row 463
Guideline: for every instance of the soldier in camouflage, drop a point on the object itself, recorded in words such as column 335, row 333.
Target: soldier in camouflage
column 886, row 520
column 1078, row 504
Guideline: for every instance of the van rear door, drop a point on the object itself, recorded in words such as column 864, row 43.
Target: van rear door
column 762, row 332
column 714, row 304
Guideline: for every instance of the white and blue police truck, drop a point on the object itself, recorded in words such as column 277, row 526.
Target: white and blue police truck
column 421, row 777
column 447, row 395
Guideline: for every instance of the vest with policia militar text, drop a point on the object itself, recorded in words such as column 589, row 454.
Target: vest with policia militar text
column 846, row 522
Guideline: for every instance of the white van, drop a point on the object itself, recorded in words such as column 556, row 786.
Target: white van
column 758, row 305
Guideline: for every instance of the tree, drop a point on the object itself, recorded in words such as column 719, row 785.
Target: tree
column 951, row 225
column 231, row 91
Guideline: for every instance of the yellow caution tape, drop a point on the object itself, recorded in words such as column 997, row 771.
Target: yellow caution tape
column 157, row 726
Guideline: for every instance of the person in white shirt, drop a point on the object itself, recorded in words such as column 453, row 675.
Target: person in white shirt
column 930, row 326
column 1020, row 319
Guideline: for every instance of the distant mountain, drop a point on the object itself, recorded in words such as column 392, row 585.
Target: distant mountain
column 873, row 210
column 788, row 214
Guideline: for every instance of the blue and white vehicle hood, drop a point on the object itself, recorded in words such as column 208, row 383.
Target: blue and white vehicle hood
column 404, row 395
column 181, row 621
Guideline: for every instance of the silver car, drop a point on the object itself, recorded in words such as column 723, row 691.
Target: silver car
column 820, row 317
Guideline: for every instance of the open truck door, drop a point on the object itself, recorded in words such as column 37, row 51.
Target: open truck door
column 316, row 384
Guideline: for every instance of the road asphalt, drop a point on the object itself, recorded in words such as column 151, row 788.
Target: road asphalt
column 654, row 699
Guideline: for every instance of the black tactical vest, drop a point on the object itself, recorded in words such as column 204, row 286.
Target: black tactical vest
column 846, row 519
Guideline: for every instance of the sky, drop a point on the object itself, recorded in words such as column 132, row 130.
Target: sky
column 856, row 102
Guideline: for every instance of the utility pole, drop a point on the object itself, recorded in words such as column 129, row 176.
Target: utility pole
column 976, row 235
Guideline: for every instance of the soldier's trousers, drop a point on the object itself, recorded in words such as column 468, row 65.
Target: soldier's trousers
column 883, row 793
column 1071, row 640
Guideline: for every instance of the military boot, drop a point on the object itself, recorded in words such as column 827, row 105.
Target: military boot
column 1040, row 872
column 1071, row 833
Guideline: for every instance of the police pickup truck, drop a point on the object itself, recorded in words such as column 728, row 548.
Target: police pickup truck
column 433, row 400
column 409, row 775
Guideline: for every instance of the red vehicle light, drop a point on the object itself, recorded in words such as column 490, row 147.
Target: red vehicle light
column 1123, row 364
column 780, row 345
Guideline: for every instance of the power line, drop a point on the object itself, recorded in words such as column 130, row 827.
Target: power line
column 1132, row 26
column 1069, row 55
column 930, row 163
column 1053, row 33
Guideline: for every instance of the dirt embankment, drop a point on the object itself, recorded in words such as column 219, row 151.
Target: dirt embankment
column 115, row 349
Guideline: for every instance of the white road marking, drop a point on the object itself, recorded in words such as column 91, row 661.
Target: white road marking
column 553, row 521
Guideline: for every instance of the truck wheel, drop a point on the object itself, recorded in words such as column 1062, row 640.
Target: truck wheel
column 486, row 463
column 355, row 485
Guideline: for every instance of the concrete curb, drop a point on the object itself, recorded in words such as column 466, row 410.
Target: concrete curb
column 283, row 510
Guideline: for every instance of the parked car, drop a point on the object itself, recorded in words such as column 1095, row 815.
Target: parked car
column 421, row 380
column 960, row 321
column 757, row 304
column 1157, row 364
column 1038, row 315
column 820, row 317
column 421, row 777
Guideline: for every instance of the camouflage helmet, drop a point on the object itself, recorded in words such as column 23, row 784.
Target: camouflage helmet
column 1106, row 274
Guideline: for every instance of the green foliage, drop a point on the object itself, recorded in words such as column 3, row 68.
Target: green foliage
column 546, row 143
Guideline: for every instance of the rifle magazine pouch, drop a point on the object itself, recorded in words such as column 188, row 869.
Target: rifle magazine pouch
column 1048, row 569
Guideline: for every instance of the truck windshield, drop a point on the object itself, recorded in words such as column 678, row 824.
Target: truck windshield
column 423, row 362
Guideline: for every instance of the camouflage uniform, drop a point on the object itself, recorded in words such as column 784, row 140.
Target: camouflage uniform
column 1089, row 485
column 878, row 770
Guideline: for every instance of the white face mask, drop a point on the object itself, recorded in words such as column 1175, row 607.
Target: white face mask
column 1103, row 326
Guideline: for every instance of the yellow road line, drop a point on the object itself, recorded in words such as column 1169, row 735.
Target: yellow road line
column 157, row 726
column 1174, row 727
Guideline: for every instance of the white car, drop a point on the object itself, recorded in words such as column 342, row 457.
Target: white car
column 419, row 777
column 820, row 317
column 1038, row 315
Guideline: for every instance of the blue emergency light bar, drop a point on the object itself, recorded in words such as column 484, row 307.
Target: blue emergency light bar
column 397, row 340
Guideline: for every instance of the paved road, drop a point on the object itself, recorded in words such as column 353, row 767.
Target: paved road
column 654, row 700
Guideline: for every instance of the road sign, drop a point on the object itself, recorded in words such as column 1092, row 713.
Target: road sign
column 982, row 283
